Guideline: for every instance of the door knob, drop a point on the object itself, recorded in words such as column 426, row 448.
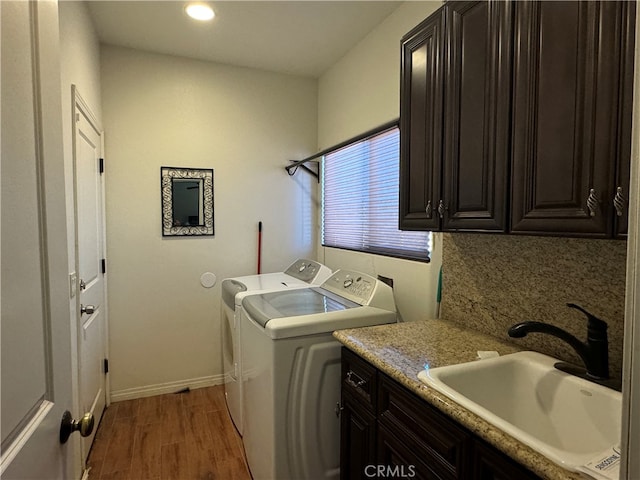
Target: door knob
column 88, row 309
column 69, row 425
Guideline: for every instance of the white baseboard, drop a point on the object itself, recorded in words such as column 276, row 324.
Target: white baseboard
column 162, row 388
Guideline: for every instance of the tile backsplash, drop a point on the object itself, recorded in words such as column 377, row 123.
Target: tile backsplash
column 491, row 282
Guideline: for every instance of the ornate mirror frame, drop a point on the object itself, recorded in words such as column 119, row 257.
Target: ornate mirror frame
column 202, row 201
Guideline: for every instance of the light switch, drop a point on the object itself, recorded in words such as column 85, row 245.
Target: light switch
column 73, row 282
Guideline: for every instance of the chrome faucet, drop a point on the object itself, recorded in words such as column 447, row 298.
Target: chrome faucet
column 594, row 353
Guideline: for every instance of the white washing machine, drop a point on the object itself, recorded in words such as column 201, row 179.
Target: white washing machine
column 300, row 274
column 291, row 372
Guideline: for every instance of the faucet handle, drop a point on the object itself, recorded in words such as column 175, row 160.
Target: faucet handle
column 595, row 325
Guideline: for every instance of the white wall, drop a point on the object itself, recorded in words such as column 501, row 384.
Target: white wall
column 357, row 94
column 245, row 124
column 80, row 57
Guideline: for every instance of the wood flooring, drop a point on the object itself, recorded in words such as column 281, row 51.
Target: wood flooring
column 181, row 436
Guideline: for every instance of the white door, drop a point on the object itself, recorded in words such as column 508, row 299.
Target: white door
column 89, row 238
column 36, row 328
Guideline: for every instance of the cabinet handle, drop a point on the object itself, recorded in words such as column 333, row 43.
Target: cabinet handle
column 429, row 209
column 339, row 408
column 619, row 202
column 441, row 209
column 358, row 382
column 592, row 202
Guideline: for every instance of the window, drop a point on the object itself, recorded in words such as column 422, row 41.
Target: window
column 360, row 194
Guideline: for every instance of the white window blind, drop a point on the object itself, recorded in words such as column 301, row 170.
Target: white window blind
column 360, row 195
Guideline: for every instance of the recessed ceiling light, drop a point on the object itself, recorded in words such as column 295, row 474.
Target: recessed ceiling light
column 200, row 11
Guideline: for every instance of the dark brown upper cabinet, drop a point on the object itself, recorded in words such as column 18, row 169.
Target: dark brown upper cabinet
column 477, row 106
column 516, row 117
column 454, row 128
column 421, row 122
column 571, row 114
column 625, row 114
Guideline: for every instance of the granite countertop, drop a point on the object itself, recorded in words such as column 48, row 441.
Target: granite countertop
column 401, row 350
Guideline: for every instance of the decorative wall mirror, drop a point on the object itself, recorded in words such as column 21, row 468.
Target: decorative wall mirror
column 187, row 201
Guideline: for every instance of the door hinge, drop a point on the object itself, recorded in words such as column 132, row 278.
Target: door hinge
column 106, row 365
column 101, row 165
column 104, row 265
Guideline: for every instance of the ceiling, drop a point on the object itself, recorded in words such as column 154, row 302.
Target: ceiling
column 295, row 37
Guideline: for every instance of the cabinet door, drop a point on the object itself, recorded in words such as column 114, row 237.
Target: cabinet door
column 477, row 122
column 565, row 111
column 440, row 444
column 399, row 460
column 421, row 104
column 621, row 186
column 489, row 464
column 357, row 439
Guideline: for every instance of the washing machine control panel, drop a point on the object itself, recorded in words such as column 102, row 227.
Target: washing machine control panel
column 355, row 286
column 305, row 270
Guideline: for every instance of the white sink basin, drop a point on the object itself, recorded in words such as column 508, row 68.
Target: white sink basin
column 567, row 419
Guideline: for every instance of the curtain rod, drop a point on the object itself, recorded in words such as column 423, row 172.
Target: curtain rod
column 362, row 136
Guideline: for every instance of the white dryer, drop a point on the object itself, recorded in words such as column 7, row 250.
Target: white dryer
column 300, row 274
column 291, row 372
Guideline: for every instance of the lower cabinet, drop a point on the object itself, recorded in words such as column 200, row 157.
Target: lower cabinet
column 389, row 432
column 357, row 438
column 395, row 460
column 490, row 464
